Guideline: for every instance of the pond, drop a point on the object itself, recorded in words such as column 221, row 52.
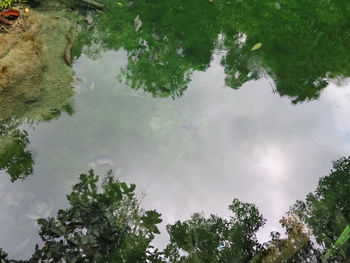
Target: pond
column 178, row 103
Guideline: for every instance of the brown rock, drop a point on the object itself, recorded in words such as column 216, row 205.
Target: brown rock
column 33, row 74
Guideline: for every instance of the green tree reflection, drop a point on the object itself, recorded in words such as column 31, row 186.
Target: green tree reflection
column 327, row 211
column 304, row 44
column 100, row 225
column 15, row 157
column 215, row 239
column 106, row 224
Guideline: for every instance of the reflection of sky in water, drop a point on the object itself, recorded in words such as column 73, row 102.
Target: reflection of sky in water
column 195, row 153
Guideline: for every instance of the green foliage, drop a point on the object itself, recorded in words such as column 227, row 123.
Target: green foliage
column 100, row 225
column 303, row 43
column 199, row 238
column 106, row 224
column 327, row 211
column 7, row 3
column 15, row 158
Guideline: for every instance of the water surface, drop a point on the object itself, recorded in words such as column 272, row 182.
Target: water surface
column 197, row 118
column 195, row 153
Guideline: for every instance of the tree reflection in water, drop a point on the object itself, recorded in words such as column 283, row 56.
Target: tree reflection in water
column 107, row 225
column 304, row 44
column 15, row 156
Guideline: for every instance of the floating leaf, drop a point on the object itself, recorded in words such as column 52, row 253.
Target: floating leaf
column 92, row 87
column 137, row 23
column 278, row 6
column 256, row 46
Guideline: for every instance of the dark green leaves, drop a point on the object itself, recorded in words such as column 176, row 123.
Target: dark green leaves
column 200, row 237
column 150, row 221
column 15, row 157
column 99, row 225
column 300, row 45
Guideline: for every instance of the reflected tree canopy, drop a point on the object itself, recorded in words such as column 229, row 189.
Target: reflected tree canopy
column 106, row 224
column 15, row 156
column 327, row 210
column 100, row 225
column 304, row 44
column 215, row 239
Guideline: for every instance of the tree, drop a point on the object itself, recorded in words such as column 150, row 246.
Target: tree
column 106, row 224
column 215, row 239
column 100, row 225
column 15, row 158
column 303, row 43
column 327, row 211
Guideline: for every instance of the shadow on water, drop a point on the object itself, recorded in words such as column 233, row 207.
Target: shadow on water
column 302, row 46
column 107, row 224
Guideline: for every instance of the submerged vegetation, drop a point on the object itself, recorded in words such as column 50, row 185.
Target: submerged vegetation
column 107, row 225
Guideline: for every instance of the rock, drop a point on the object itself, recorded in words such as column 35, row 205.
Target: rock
column 33, row 75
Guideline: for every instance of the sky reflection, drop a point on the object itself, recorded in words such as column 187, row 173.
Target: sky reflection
column 195, row 153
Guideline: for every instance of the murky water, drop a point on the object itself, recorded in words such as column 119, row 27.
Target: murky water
column 193, row 152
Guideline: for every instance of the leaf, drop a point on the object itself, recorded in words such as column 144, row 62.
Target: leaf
column 125, row 187
column 92, row 86
column 345, row 235
column 120, row 4
column 137, row 23
column 132, row 187
column 256, row 46
column 128, row 189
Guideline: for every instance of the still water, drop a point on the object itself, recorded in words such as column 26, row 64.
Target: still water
column 176, row 99
column 194, row 153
